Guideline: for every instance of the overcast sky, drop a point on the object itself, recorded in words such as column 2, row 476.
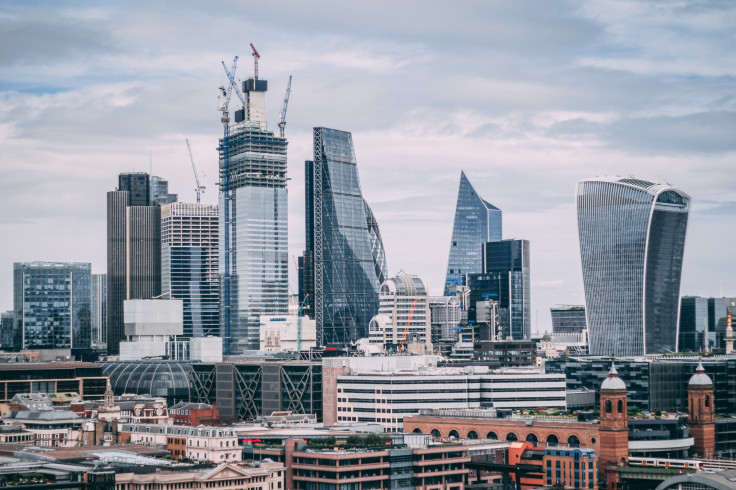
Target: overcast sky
column 526, row 97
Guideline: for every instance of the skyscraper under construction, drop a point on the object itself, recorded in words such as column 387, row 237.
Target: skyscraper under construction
column 257, row 209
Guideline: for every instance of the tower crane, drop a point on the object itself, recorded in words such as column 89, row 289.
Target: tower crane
column 256, row 57
column 282, row 114
column 233, row 83
column 408, row 322
column 224, row 149
column 200, row 188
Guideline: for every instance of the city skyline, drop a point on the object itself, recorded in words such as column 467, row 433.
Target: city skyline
column 533, row 103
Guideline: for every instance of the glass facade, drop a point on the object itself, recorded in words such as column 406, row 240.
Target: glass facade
column 343, row 242
column 632, row 239
column 52, row 304
column 476, row 222
column 98, row 309
column 189, row 264
column 568, row 319
column 167, row 379
column 258, row 231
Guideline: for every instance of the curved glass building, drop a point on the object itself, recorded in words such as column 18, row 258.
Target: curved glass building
column 345, row 262
column 166, row 379
column 632, row 238
column 476, row 222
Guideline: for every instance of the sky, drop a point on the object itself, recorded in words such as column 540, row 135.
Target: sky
column 526, row 97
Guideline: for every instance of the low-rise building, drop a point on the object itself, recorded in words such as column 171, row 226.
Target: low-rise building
column 213, row 444
column 287, row 333
column 16, row 434
column 84, row 378
column 194, row 414
column 226, row 476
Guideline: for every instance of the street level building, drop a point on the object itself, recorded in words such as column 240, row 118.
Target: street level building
column 52, row 304
column 476, row 222
column 189, row 264
column 632, row 239
column 344, row 263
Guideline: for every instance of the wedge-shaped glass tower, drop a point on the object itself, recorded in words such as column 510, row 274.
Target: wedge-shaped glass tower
column 476, row 222
column 632, row 238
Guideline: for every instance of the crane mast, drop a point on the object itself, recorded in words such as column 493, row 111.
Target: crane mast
column 227, row 201
column 200, row 188
column 282, row 114
column 256, row 57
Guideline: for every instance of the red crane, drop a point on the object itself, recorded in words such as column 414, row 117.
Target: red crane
column 408, row 322
column 256, row 56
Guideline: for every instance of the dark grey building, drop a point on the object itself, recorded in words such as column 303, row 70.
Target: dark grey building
column 505, row 279
column 344, row 263
column 568, row 319
column 654, row 384
column 249, row 390
column 98, row 309
column 703, row 323
column 52, row 304
column 632, row 239
column 133, row 250
column 10, row 335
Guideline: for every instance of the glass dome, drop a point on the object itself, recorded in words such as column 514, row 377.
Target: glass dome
column 167, row 379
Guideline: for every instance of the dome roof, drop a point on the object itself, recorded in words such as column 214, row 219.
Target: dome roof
column 700, row 378
column 613, row 382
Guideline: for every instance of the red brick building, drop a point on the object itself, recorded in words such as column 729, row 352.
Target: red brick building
column 194, row 414
column 701, row 413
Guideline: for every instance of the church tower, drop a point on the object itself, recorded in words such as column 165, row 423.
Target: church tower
column 614, row 427
column 701, row 413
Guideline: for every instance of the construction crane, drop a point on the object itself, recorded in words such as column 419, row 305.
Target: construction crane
column 224, row 149
column 233, row 83
column 282, row 114
column 408, row 322
column 256, row 57
column 200, row 188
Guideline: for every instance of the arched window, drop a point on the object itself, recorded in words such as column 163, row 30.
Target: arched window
column 532, row 438
column 620, row 406
column 472, row 435
column 417, row 431
column 573, row 441
column 492, row 435
column 707, row 401
column 511, row 437
column 609, row 406
column 552, row 440
column 455, row 434
column 436, row 433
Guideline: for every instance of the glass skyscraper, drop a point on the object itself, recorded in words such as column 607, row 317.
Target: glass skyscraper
column 632, row 239
column 344, row 263
column 52, row 304
column 258, row 222
column 476, row 222
column 189, row 264
column 98, row 309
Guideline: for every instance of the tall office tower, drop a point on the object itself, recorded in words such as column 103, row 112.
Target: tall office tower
column 694, row 319
column 160, row 192
column 258, row 222
column 632, row 238
column 505, row 279
column 189, row 264
column 446, row 316
column 52, row 304
column 98, row 309
column 10, row 336
column 345, row 259
column 568, row 319
column 133, row 250
column 476, row 222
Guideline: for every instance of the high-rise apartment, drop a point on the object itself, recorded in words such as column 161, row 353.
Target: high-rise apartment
column 133, row 250
column 506, row 280
column 98, row 310
column 258, row 238
column 476, row 222
column 189, row 264
column 52, row 304
column 344, row 262
column 632, row 238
